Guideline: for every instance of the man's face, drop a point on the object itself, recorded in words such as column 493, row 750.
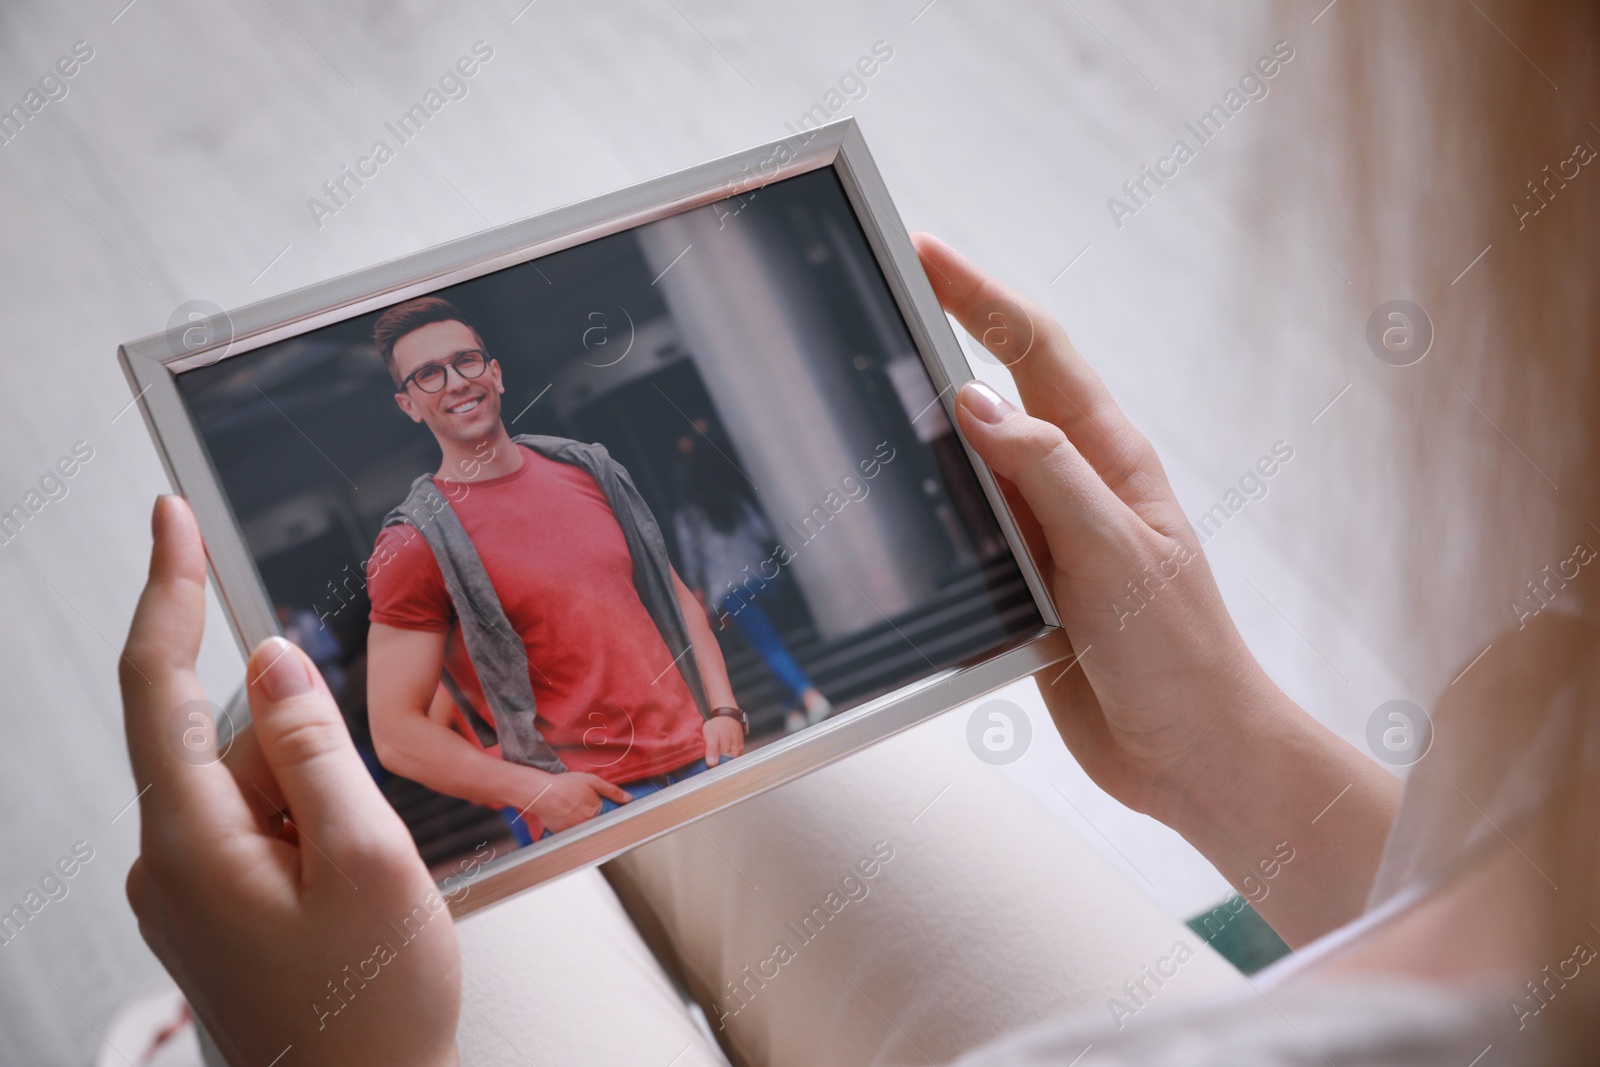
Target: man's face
column 466, row 410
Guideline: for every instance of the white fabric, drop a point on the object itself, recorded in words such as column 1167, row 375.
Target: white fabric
column 989, row 916
column 1372, row 1024
column 560, row 976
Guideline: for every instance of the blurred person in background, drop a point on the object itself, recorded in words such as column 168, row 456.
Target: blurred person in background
column 726, row 546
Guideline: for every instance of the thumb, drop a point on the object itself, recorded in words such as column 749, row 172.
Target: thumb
column 608, row 789
column 331, row 798
column 1075, row 508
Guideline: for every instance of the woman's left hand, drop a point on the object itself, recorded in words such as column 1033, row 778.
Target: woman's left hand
column 280, row 889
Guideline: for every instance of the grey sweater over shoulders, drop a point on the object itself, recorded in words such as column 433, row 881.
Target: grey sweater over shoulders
column 494, row 647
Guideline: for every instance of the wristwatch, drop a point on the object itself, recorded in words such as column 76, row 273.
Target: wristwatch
column 733, row 713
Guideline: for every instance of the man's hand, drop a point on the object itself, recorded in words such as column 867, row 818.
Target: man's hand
column 724, row 737
column 565, row 800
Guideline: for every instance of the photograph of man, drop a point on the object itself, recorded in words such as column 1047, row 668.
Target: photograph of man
column 532, row 648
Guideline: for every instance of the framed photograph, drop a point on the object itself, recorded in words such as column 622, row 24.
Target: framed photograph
column 655, row 496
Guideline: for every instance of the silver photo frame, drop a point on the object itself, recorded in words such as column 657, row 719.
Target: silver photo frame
column 153, row 364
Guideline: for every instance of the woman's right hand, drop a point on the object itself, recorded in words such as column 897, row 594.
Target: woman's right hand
column 1163, row 705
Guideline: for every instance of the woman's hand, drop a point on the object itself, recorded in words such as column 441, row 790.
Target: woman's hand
column 1163, row 705
column 1159, row 662
column 281, row 891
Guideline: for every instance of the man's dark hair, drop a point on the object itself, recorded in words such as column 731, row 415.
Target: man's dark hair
column 408, row 316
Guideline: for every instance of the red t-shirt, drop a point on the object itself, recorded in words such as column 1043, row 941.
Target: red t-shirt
column 610, row 700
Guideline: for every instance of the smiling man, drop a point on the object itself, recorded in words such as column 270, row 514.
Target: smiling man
column 523, row 592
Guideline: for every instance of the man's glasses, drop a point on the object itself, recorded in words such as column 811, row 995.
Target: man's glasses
column 430, row 377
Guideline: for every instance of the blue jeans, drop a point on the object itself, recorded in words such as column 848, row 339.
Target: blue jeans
column 757, row 629
column 643, row 787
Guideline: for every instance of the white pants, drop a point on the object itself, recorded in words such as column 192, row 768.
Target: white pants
column 987, row 915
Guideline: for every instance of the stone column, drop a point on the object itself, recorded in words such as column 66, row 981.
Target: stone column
column 780, row 375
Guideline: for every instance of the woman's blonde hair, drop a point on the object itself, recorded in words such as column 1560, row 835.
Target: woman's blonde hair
column 1465, row 154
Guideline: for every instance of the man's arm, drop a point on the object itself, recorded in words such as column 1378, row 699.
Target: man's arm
column 724, row 736
column 707, row 653
column 402, row 676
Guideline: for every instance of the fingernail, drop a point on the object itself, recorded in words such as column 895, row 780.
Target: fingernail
column 158, row 512
column 988, row 405
column 282, row 674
